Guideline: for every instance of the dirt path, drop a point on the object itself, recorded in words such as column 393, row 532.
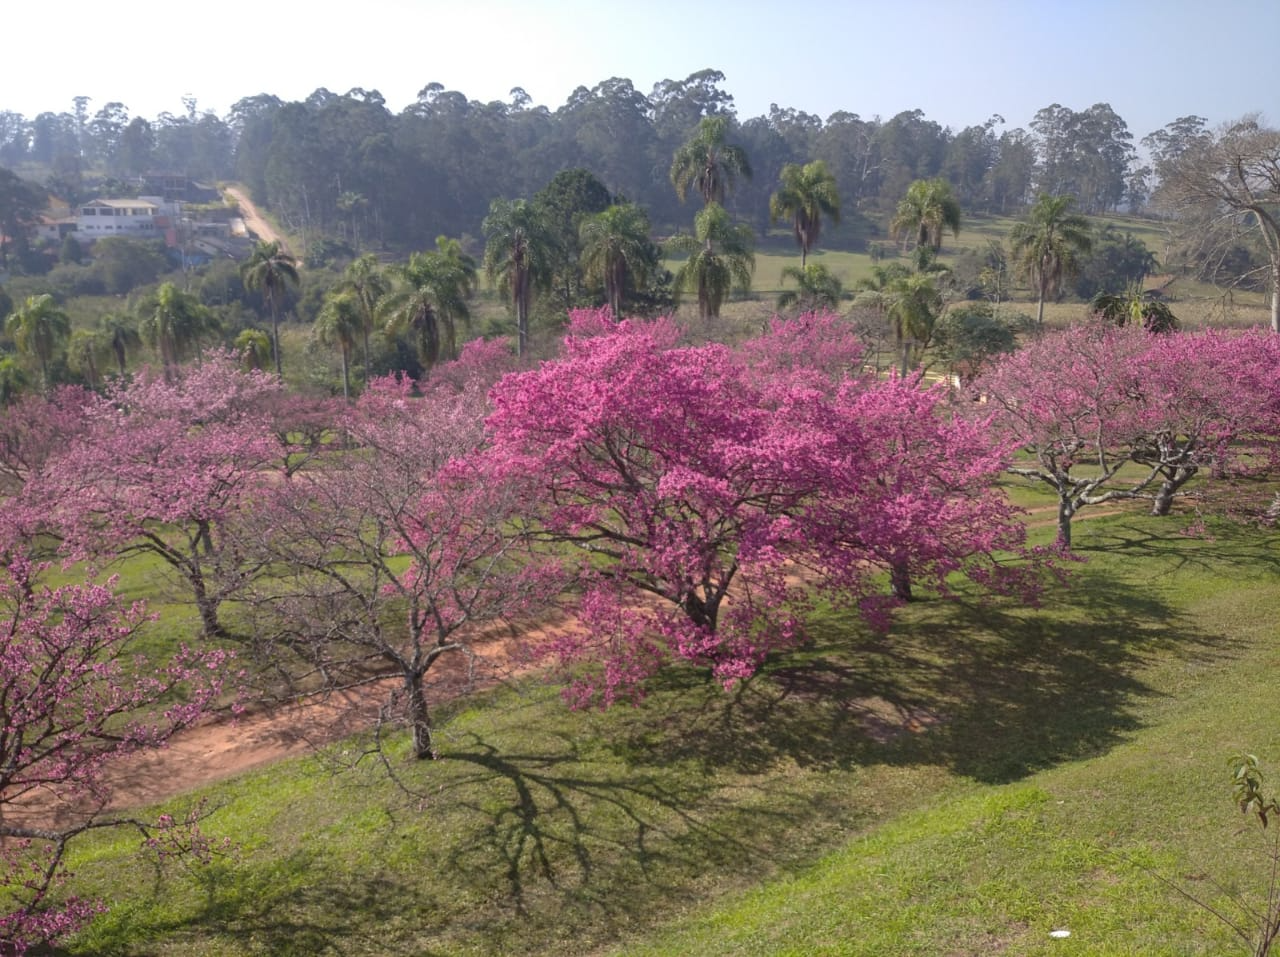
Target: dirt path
column 253, row 219
column 224, row 747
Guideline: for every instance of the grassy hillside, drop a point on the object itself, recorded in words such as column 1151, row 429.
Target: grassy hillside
column 982, row 775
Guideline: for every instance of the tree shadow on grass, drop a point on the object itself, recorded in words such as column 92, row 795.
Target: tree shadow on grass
column 1172, row 552
column 989, row 692
column 610, row 843
column 296, row 905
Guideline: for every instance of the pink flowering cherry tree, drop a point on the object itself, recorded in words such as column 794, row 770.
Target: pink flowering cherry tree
column 390, row 555
column 75, row 696
column 1104, row 414
column 167, row 468
column 695, row 484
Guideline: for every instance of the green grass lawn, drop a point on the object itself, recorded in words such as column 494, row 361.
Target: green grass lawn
column 980, row 776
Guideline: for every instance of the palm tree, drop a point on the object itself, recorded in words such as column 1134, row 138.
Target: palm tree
column 816, row 288
column 708, row 163
column 914, row 306
column 1137, row 307
column 173, row 321
column 928, row 209
column 518, row 255
column 254, row 348
column 86, row 347
column 430, row 299
column 368, row 283
column 340, row 323
column 13, row 379
column 121, row 334
column 879, row 293
column 808, row 193
column 270, row 270
column 1045, row 247
column 720, row 255
column 39, row 328
column 615, row 246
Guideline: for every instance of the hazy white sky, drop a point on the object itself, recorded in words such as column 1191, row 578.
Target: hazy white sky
column 958, row 60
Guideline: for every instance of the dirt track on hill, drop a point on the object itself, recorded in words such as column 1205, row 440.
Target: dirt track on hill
column 253, row 219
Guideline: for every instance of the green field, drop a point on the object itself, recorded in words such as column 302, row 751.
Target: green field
column 978, row 777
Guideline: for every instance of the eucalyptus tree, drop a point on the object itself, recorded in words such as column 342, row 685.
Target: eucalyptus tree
column 927, row 211
column 340, row 324
column 709, row 163
column 616, row 246
column 519, row 254
column 429, row 299
column 807, row 194
column 719, row 255
column 1046, row 247
column 271, row 270
column 40, row 329
column 1225, row 186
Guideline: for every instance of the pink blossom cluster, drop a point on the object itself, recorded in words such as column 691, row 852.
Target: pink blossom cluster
column 708, row 490
column 1103, row 414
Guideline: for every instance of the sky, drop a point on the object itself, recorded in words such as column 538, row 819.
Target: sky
column 960, row 61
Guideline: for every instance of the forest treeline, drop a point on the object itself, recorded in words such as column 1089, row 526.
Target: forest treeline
column 345, row 165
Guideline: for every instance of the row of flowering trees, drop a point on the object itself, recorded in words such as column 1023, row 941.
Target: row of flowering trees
column 687, row 503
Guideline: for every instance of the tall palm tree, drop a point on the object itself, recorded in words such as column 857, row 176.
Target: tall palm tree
column 430, row 298
column 816, row 288
column 808, row 193
column 172, row 322
column 709, row 163
column 40, row 329
column 368, row 283
column 519, row 256
column 720, row 255
column 1045, row 248
column 928, row 210
column 340, row 323
column 615, row 246
column 270, row 270
column 121, row 334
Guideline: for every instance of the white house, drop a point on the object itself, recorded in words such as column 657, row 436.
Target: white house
column 142, row 218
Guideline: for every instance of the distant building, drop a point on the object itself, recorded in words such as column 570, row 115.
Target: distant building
column 121, row 217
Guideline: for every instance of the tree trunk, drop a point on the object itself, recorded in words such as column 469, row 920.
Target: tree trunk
column 1066, row 509
column 1275, row 294
column 275, row 340
column 208, row 608
column 420, row 718
column 900, row 579
column 1162, row 503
